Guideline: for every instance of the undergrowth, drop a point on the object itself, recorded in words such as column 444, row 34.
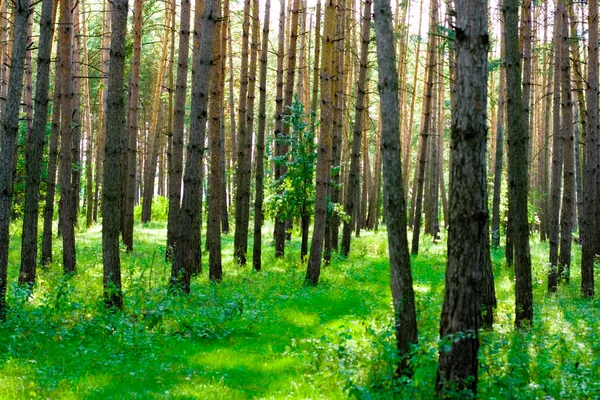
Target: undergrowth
column 266, row 335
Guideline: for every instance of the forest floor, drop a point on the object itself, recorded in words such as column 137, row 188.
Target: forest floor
column 266, row 335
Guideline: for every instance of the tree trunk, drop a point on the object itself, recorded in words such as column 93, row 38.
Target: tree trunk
column 215, row 178
column 176, row 164
column 279, row 229
column 591, row 165
column 393, row 193
column 468, row 249
column 128, row 195
column 67, row 209
column 242, row 174
column 8, row 138
column 557, row 158
column 260, row 144
column 115, row 123
column 187, row 252
column 34, row 152
column 425, row 129
column 324, row 153
column 106, row 29
column 568, row 193
column 352, row 188
column 156, row 125
column 518, row 169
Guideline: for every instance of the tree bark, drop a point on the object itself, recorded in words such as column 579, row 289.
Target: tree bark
column 518, row 169
column 351, row 197
column 324, row 153
column 187, row 251
column 34, row 153
column 176, row 165
column 8, row 138
column 115, row 123
column 405, row 319
column 591, row 165
column 468, row 213
column 260, row 144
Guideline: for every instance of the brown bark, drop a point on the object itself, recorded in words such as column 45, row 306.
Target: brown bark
column 260, row 144
column 352, row 187
column 34, row 151
column 8, row 136
column 426, row 127
column 591, row 165
column 187, row 252
column 242, row 174
column 393, row 194
column 468, row 242
column 215, row 176
column 324, row 153
column 176, row 164
column 115, row 118
column 67, row 208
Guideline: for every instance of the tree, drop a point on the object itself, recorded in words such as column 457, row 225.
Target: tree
column 518, row 138
column 8, row 138
column 67, row 208
column 279, row 229
column 393, row 193
column 468, row 213
column 295, row 193
column 260, row 144
column 351, row 197
column 591, row 166
column 34, row 153
column 242, row 174
column 215, row 177
column 187, row 249
column 425, row 130
column 115, row 123
column 313, row 270
column 129, row 159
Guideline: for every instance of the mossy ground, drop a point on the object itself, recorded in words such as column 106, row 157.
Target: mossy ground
column 266, row 335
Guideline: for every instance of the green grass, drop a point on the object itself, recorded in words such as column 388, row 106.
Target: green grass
column 266, row 335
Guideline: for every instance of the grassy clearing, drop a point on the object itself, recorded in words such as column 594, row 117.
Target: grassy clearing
column 265, row 335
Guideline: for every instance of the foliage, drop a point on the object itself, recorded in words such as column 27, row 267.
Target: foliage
column 294, row 193
column 160, row 209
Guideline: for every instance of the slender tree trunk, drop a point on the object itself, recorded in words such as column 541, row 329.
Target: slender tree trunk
column 176, row 165
column 187, row 252
column 351, row 197
column 393, row 194
column 499, row 156
column 242, row 175
column 568, row 193
column 128, row 195
column 591, row 165
column 67, row 209
column 115, row 123
column 8, row 138
column 89, row 189
column 425, row 130
column 279, row 230
column 156, row 125
column 557, row 157
column 324, row 153
column 468, row 232
column 518, row 137
column 214, row 143
column 34, row 152
column 52, row 166
column 260, row 144
column 106, row 29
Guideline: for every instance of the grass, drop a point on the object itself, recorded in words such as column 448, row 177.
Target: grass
column 266, row 335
